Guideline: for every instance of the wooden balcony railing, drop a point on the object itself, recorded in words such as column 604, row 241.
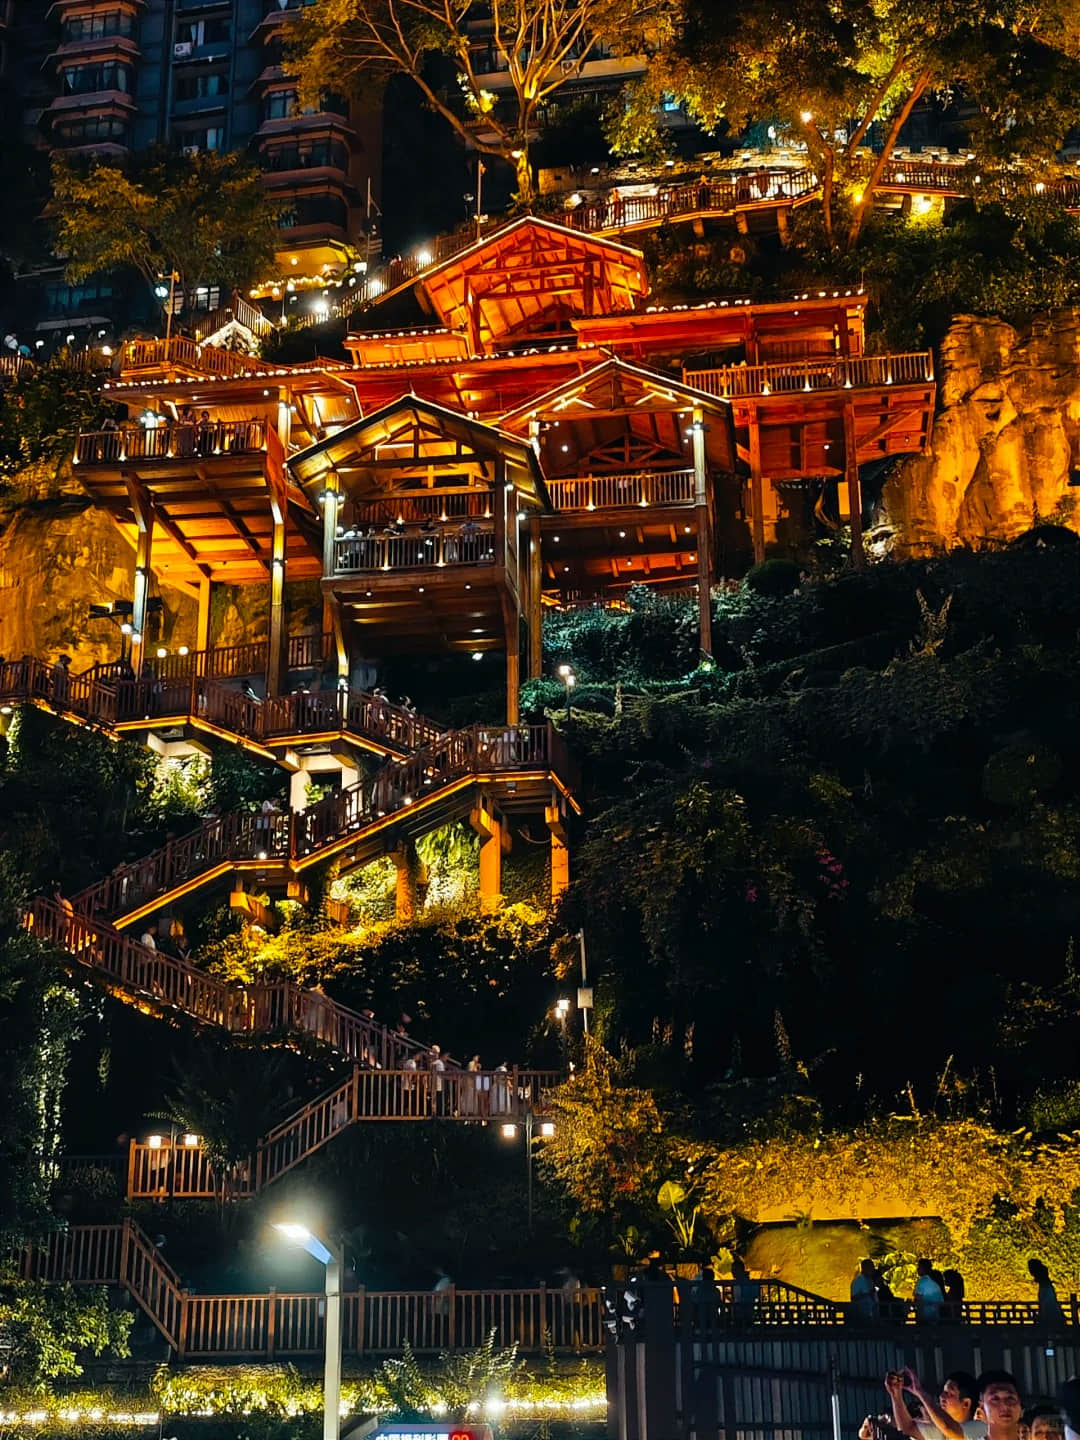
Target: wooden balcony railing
column 179, row 350
column 268, row 1327
column 761, row 187
column 614, row 492
column 789, row 377
column 414, row 509
column 143, row 976
column 360, row 554
column 176, row 441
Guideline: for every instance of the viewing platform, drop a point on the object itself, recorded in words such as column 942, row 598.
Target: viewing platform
column 799, row 377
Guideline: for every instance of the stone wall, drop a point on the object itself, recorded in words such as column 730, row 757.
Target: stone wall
column 1006, row 439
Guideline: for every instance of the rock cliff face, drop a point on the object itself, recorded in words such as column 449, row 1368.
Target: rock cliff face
column 1006, row 439
column 59, row 556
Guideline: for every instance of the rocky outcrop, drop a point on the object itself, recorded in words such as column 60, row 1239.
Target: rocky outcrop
column 59, row 556
column 1006, row 439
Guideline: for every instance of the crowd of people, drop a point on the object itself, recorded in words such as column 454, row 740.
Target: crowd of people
column 964, row 1407
column 938, row 1295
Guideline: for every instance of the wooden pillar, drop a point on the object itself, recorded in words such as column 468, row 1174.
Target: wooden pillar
column 783, row 226
column 536, row 607
column 488, row 824
column 202, row 625
column 560, row 854
column 275, row 660
column 704, row 545
column 854, row 487
column 143, row 511
column 757, row 497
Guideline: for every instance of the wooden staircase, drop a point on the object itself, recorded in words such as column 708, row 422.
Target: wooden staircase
column 406, row 799
column 193, row 691
column 272, row 1326
column 158, row 984
column 177, row 1168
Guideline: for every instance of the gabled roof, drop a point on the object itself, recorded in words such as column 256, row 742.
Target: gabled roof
column 610, row 385
column 529, row 273
column 436, row 434
column 618, row 416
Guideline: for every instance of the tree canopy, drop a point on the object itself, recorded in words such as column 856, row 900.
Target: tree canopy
column 541, row 45
column 206, row 217
column 838, row 76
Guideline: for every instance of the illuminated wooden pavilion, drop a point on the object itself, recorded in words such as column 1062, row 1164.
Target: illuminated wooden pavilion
column 426, row 544
column 550, row 435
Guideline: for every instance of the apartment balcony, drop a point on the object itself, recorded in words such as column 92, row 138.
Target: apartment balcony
column 857, row 372
column 182, row 442
column 374, row 555
column 98, row 47
column 93, row 102
column 638, row 491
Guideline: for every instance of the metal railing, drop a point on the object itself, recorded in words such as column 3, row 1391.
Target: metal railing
column 789, row 377
column 613, row 492
column 362, row 554
column 179, row 440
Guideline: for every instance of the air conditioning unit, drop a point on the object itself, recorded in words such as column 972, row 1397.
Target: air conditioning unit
column 568, row 66
column 182, row 49
column 189, row 150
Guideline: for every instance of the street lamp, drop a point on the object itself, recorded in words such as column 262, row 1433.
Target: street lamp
column 162, row 293
column 306, row 1239
column 569, row 679
column 544, row 1130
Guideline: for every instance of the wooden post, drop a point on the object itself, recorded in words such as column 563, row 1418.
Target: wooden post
column 701, row 507
column 536, row 607
column 757, row 499
column 143, row 511
column 275, row 660
column 182, row 1325
column 361, row 1328
column 271, row 1323
column 560, row 854
column 854, row 488
column 512, row 631
column 486, row 822
column 202, row 625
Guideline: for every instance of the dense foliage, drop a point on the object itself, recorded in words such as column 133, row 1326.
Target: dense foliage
column 205, row 217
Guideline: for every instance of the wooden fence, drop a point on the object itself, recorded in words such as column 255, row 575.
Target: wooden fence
column 272, row 1326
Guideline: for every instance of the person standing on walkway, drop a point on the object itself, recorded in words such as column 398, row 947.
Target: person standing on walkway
column 1051, row 1317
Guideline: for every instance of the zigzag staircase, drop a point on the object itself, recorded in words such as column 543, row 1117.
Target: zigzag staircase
column 178, row 1168
column 406, row 798
column 269, row 1326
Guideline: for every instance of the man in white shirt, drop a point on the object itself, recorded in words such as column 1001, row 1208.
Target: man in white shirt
column 149, row 936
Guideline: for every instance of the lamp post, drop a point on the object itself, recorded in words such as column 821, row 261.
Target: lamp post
column 162, row 293
column 569, row 679
column 545, row 1129
column 332, row 1260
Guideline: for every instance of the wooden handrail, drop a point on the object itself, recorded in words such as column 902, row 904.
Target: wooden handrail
column 612, row 492
column 814, row 373
column 165, row 1168
column 375, row 1322
column 143, row 975
column 413, row 550
column 177, row 440
column 189, row 687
